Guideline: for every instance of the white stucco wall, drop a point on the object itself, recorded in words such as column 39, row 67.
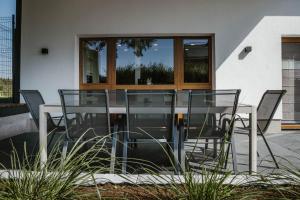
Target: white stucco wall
column 57, row 24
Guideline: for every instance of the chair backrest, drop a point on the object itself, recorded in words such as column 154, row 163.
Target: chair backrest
column 150, row 114
column 267, row 108
column 117, row 98
column 33, row 100
column 206, row 109
column 85, row 112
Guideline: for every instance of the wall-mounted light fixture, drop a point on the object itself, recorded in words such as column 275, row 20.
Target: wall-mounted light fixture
column 44, row 51
column 245, row 52
column 248, row 49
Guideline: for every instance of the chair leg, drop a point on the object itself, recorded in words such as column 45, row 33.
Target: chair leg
column 125, row 149
column 135, row 145
column 181, row 148
column 215, row 148
column 233, row 152
column 34, row 150
column 206, row 144
column 227, row 154
column 113, row 153
column 269, row 148
column 175, row 149
column 50, row 141
column 64, row 150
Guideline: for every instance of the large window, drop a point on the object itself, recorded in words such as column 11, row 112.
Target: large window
column 146, row 63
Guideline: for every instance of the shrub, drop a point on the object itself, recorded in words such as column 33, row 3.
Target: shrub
column 57, row 179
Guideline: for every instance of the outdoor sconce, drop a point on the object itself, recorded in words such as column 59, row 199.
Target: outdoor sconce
column 44, row 51
column 245, row 52
column 248, row 49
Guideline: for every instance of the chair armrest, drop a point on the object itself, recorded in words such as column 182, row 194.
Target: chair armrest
column 239, row 118
column 59, row 119
column 221, row 120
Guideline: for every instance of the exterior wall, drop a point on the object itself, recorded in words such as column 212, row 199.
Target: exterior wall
column 16, row 124
column 57, row 25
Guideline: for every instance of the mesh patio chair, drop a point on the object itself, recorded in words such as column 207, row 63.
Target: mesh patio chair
column 86, row 116
column 206, row 124
column 150, row 116
column 33, row 100
column 265, row 113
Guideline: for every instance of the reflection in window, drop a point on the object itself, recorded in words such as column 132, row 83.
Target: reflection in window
column 95, row 61
column 144, row 61
column 196, row 61
column 291, row 82
column 291, row 56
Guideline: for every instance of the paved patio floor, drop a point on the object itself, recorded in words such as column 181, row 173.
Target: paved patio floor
column 285, row 145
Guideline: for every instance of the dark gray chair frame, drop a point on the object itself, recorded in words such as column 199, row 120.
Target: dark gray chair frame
column 114, row 134
column 222, row 122
column 262, row 130
column 35, row 116
column 33, row 108
column 174, row 139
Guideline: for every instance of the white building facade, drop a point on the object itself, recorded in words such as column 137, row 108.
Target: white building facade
column 232, row 26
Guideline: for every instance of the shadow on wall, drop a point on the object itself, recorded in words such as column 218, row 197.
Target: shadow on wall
column 233, row 28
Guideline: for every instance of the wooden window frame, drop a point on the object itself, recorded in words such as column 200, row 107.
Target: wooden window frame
column 290, row 40
column 178, row 65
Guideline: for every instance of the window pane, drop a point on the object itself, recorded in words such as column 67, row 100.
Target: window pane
column 95, row 61
column 196, row 61
column 7, row 12
column 145, row 61
column 291, row 82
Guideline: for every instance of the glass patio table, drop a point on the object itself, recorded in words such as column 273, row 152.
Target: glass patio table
column 117, row 106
